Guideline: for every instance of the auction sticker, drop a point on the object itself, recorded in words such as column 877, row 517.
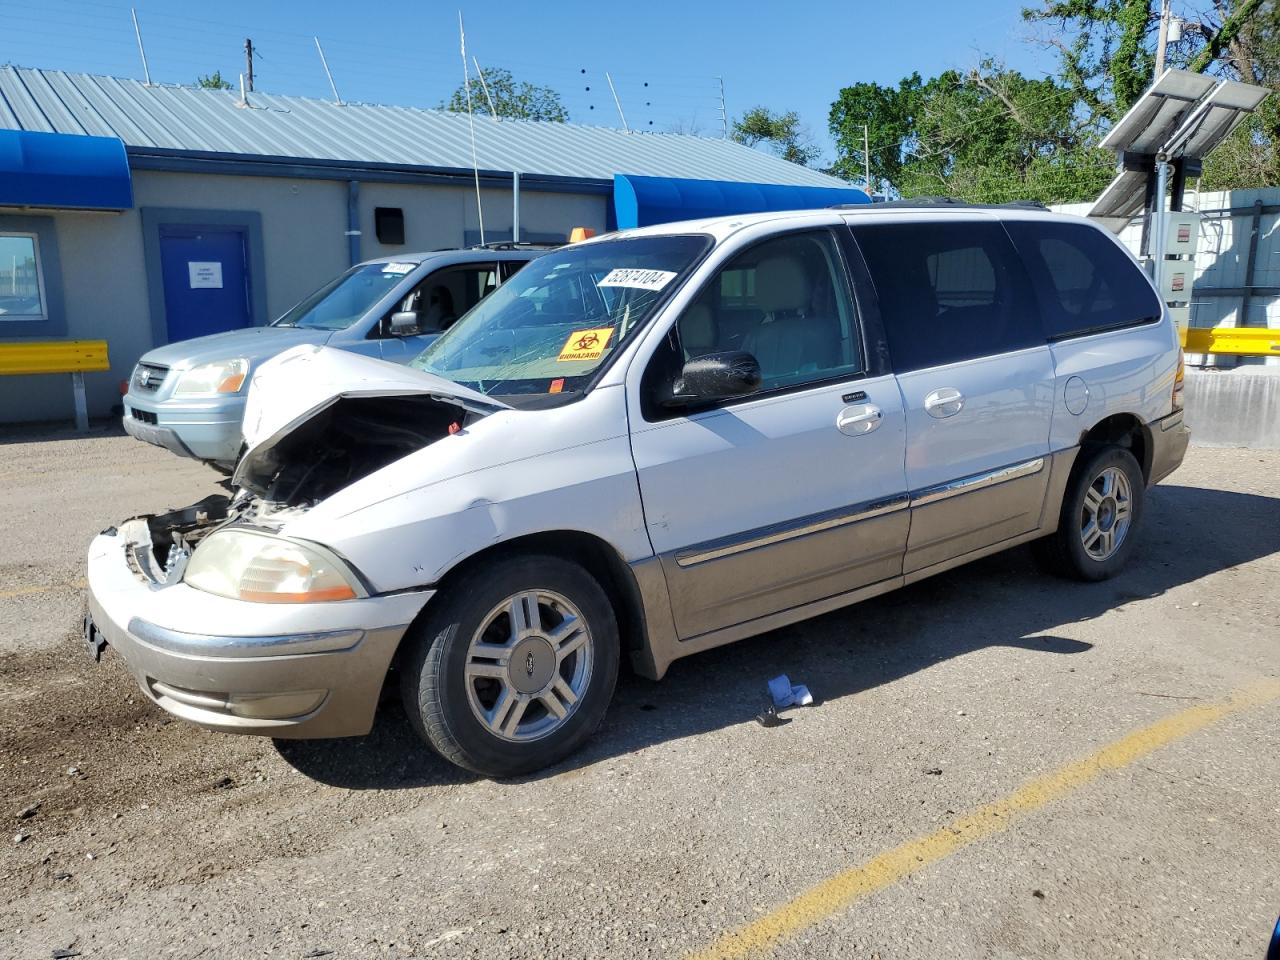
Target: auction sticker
column 637, row 278
column 400, row 268
column 586, row 344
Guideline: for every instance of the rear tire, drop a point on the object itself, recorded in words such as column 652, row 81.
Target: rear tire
column 513, row 666
column 1101, row 512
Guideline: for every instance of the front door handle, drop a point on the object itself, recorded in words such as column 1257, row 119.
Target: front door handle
column 858, row 419
column 944, row 402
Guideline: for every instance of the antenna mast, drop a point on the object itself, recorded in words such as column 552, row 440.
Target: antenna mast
column 324, row 63
column 493, row 111
column 248, row 59
column 471, row 119
column 724, row 115
column 137, row 32
column 617, row 103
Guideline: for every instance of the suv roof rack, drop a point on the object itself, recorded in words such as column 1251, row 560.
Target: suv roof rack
column 518, row 245
column 925, row 202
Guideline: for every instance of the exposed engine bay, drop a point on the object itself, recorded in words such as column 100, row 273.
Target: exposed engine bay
column 287, row 475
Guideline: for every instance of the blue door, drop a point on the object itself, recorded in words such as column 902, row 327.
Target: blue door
column 206, row 280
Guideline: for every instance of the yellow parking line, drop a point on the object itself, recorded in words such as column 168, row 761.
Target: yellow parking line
column 47, row 588
column 841, row 890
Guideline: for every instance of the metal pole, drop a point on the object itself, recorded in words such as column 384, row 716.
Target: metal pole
column 137, row 32
column 484, row 85
column 248, row 57
column 353, row 221
column 866, row 156
column 1160, row 222
column 515, row 206
column 617, row 103
column 471, row 122
column 724, row 115
column 324, row 63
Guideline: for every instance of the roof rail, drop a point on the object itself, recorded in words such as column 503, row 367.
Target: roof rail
column 926, row 202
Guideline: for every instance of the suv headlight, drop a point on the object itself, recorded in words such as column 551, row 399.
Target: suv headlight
column 211, row 379
column 245, row 565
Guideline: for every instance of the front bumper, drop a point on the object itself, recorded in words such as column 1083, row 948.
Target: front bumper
column 203, row 430
column 280, row 670
column 1169, row 439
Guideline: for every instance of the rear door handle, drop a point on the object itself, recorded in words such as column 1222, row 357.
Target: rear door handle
column 944, row 402
column 858, row 419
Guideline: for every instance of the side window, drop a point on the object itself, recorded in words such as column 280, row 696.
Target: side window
column 948, row 291
column 785, row 301
column 447, row 294
column 1084, row 283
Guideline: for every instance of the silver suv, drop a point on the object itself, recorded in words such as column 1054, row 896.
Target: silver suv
column 188, row 397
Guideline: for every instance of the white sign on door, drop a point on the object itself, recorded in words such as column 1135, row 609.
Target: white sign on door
column 205, row 274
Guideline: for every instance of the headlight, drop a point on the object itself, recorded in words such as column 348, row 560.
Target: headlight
column 210, row 379
column 244, row 565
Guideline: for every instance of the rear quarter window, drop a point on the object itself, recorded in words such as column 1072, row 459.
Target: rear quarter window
column 1084, row 283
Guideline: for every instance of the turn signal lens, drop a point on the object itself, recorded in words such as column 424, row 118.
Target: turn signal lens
column 259, row 568
column 1178, row 381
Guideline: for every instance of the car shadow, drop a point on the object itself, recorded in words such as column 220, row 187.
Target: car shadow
column 1002, row 600
column 47, row 431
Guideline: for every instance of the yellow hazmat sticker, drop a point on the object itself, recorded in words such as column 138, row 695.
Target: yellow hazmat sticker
column 586, row 344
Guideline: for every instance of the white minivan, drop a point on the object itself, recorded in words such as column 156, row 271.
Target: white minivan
column 644, row 446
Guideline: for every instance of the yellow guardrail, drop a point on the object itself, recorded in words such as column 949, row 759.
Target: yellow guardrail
column 75, row 357
column 1245, row 341
column 53, row 356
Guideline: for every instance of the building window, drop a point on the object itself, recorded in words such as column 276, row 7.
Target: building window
column 22, row 294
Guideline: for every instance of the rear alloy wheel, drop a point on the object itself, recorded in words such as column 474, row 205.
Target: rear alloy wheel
column 1101, row 510
column 513, row 666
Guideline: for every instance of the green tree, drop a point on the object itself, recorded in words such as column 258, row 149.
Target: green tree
column 511, row 98
column 989, row 135
column 213, row 81
column 781, row 132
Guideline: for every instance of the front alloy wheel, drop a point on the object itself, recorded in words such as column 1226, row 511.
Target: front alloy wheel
column 528, row 665
column 513, row 664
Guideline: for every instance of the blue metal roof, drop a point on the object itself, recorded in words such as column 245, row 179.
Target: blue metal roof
column 191, row 120
column 642, row 201
column 57, row 170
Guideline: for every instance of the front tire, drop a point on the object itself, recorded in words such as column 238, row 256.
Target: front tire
column 513, row 667
column 1101, row 511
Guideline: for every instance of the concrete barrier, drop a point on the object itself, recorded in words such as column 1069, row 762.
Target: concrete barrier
column 1234, row 408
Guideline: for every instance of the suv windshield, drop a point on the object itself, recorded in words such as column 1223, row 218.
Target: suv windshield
column 548, row 328
column 347, row 297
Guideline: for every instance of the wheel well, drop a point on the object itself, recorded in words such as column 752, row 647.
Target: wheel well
column 591, row 553
column 1122, row 430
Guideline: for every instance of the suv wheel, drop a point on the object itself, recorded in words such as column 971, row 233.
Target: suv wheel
column 1100, row 514
column 513, row 667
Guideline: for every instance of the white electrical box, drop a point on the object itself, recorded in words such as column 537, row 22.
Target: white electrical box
column 1175, row 284
column 1181, row 316
column 1182, row 232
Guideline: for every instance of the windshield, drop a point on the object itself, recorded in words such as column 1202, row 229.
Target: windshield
column 347, row 297
column 548, row 328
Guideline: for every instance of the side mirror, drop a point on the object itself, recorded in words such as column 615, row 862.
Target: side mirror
column 405, row 323
column 716, row 376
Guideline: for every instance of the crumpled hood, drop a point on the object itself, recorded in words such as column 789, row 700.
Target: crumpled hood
column 254, row 343
column 292, row 388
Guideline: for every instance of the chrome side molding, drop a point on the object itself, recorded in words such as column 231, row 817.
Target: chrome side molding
column 977, row 481
column 767, row 536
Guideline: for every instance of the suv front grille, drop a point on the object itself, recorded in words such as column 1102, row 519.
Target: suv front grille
column 147, row 377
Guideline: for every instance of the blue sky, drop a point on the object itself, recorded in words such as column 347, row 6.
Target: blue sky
column 663, row 56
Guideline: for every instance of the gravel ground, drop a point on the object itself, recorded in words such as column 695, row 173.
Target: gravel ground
column 684, row 819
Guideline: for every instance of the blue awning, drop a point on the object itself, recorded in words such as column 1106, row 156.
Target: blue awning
column 641, row 201
column 63, row 170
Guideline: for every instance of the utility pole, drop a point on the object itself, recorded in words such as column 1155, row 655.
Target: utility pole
column 866, row 156
column 248, row 59
column 1163, row 38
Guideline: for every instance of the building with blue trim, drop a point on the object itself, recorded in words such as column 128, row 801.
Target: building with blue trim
column 103, row 180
